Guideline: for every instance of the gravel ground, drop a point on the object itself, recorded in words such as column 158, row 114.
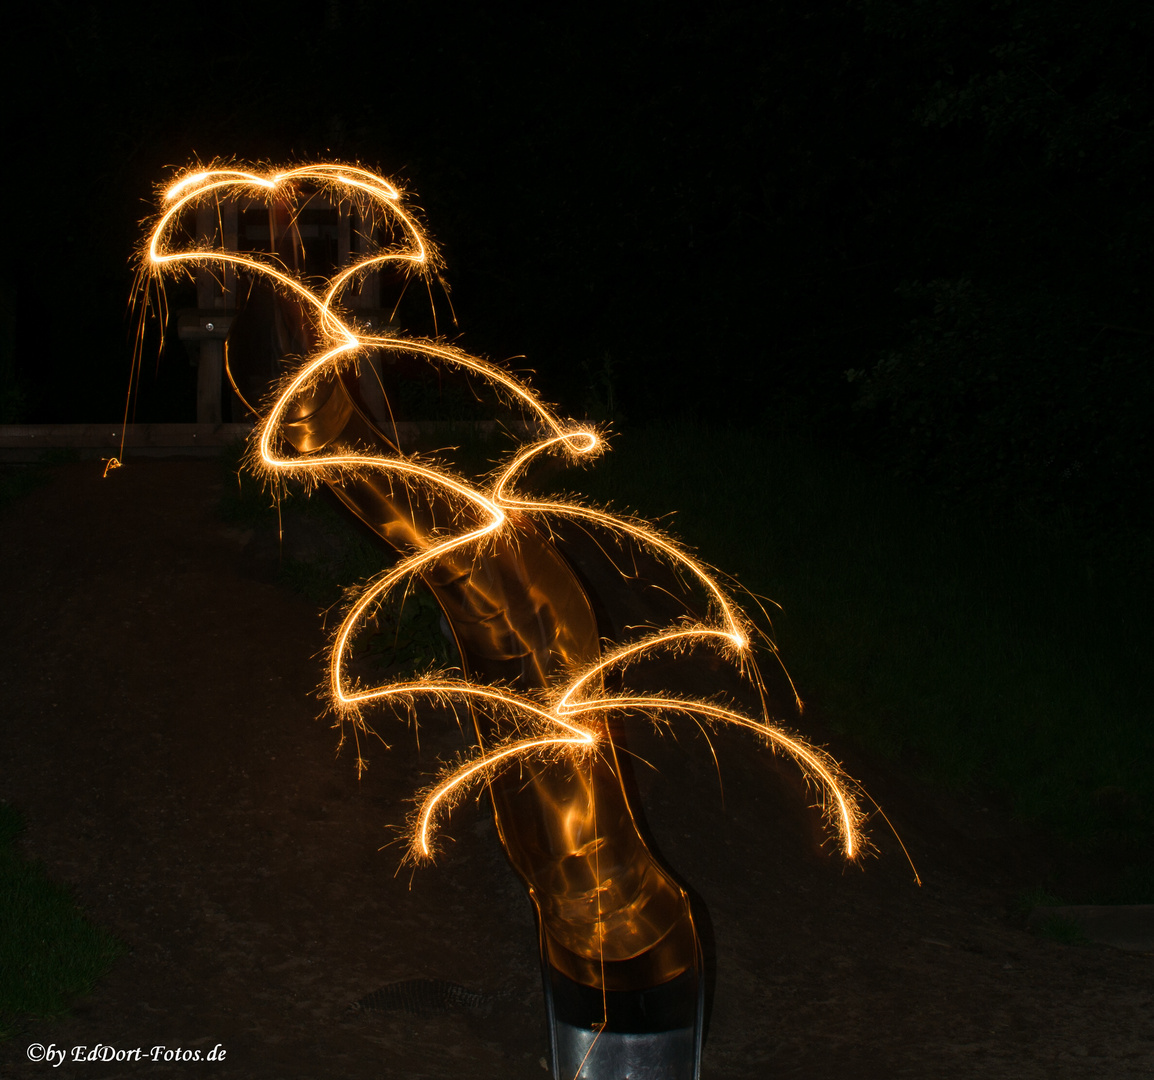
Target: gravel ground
column 161, row 738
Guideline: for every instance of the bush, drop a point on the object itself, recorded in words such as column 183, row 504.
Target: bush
column 1015, row 391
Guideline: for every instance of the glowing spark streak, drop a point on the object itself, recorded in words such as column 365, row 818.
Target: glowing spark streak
column 485, row 766
column 816, row 764
column 557, row 732
column 626, row 653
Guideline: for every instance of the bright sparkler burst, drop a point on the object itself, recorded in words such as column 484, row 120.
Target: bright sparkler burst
column 566, row 721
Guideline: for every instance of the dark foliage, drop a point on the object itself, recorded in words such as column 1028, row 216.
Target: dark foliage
column 1023, row 396
column 707, row 215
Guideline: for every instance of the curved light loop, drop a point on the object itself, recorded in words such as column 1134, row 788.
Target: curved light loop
column 569, row 722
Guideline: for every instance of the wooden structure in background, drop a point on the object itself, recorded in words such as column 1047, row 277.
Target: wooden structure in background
column 337, row 234
column 35, row 442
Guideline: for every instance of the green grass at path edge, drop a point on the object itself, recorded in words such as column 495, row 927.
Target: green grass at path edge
column 50, row 953
column 986, row 654
column 998, row 654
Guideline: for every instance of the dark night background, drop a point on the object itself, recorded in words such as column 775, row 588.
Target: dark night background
column 910, row 237
column 923, row 227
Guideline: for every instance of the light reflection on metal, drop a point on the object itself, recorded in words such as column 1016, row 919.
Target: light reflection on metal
column 612, row 917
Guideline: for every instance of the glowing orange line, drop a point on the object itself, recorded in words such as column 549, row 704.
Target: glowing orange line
column 814, row 762
column 339, row 343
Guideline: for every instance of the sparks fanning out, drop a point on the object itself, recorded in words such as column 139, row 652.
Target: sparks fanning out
column 562, row 720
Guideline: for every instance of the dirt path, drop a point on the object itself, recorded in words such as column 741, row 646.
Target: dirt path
column 161, row 739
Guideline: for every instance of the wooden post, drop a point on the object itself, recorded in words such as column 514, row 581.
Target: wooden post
column 215, row 293
column 344, row 233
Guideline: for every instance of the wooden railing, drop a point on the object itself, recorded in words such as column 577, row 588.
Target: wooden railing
column 33, row 442
column 203, row 329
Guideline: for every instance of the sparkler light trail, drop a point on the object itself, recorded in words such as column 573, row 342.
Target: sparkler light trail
column 612, row 919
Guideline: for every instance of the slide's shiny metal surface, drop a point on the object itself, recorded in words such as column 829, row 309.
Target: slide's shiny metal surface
column 612, row 918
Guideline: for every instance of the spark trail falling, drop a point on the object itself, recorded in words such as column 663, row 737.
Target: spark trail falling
column 566, row 721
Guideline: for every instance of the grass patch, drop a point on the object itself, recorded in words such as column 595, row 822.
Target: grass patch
column 50, row 954
column 1061, row 929
column 999, row 654
column 1025, row 902
column 1054, row 927
column 988, row 653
